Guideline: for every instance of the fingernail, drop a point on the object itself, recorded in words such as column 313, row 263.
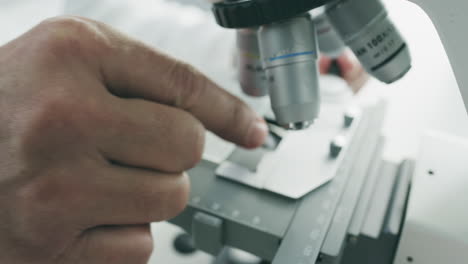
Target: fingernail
column 257, row 133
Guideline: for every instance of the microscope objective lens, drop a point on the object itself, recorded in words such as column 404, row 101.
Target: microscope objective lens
column 289, row 52
column 252, row 76
column 330, row 42
column 365, row 27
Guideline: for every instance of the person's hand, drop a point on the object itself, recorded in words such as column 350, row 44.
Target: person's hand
column 96, row 131
column 349, row 69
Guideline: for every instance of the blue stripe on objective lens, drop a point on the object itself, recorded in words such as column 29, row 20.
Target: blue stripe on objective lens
column 292, row 55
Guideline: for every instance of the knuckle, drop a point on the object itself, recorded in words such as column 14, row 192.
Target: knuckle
column 60, row 121
column 238, row 116
column 142, row 247
column 199, row 142
column 171, row 200
column 193, row 149
column 61, row 22
column 185, row 143
column 240, row 112
column 114, row 244
column 60, row 104
column 67, row 35
column 55, row 118
column 178, row 72
column 40, row 207
column 179, row 197
column 49, row 190
column 188, row 82
column 59, row 35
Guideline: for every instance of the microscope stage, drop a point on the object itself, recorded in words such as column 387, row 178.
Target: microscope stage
column 302, row 161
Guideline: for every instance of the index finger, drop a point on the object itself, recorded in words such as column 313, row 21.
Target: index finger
column 133, row 69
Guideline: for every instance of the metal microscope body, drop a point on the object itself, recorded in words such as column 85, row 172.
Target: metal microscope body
column 282, row 59
column 324, row 225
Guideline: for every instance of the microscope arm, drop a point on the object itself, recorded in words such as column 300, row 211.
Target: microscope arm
column 451, row 20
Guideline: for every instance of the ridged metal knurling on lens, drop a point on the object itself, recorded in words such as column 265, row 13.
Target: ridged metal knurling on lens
column 252, row 13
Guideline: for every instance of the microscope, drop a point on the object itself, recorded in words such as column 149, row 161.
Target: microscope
column 351, row 205
column 278, row 49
